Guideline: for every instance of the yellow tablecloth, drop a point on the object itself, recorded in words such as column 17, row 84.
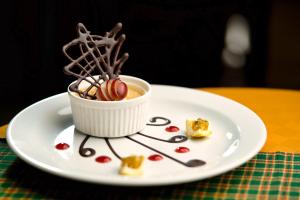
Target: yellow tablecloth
column 268, row 175
column 2, row 131
column 278, row 108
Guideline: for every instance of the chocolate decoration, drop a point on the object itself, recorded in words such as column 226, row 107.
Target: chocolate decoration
column 112, row 149
column 99, row 58
column 86, row 152
column 174, row 139
column 177, row 139
column 190, row 163
column 195, row 163
column 154, row 122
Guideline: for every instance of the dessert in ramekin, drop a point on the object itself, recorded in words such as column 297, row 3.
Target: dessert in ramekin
column 103, row 102
column 112, row 118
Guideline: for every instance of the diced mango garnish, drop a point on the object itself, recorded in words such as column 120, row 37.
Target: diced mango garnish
column 132, row 166
column 197, row 128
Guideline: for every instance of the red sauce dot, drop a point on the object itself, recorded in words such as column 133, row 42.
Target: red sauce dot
column 172, row 129
column 155, row 157
column 182, row 149
column 103, row 159
column 62, row 146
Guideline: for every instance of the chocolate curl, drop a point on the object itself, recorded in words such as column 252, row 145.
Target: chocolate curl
column 99, row 56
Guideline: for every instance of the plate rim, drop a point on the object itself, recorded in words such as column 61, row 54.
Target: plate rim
column 136, row 182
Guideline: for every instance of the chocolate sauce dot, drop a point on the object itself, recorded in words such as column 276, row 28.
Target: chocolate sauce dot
column 62, row 146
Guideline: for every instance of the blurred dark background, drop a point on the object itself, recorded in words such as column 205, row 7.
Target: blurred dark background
column 192, row 43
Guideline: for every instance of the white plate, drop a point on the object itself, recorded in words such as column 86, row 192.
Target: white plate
column 238, row 135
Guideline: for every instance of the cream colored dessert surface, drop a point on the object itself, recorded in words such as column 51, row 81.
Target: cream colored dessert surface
column 133, row 91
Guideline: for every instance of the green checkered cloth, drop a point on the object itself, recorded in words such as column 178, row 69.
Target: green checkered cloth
column 266, row 176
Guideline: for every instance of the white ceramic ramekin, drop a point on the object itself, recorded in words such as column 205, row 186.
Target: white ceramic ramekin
column 112, row 118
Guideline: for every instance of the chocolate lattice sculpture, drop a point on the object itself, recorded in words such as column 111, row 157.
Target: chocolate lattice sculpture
column 98, row 61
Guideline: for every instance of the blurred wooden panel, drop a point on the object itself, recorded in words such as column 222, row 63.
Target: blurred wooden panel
column 284, row 45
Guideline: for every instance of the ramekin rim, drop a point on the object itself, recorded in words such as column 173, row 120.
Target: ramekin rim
column 145, row 95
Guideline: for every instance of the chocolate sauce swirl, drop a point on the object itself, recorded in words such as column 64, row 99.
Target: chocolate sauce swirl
column 154, row 121
column 174, row 139
column 189, row 163
column 86, row 152
column 112, row 149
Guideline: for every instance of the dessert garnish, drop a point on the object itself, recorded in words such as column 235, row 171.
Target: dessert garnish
column 182, row 149
column 112, row 90
column 155, row 157
column 98, row 64
column 197, row 128
column 62, row 146
column 132, row 166
column 172, row 129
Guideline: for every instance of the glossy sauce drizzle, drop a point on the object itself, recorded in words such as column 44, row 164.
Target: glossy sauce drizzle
column 172, row 129
column 62, row 146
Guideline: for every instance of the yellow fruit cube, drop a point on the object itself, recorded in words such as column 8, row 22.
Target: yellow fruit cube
column 132, row 166
column 197, row 128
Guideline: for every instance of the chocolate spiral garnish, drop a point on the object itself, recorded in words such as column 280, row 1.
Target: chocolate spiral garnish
column 174, row 139
column 86, row 152
column 154, row 122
